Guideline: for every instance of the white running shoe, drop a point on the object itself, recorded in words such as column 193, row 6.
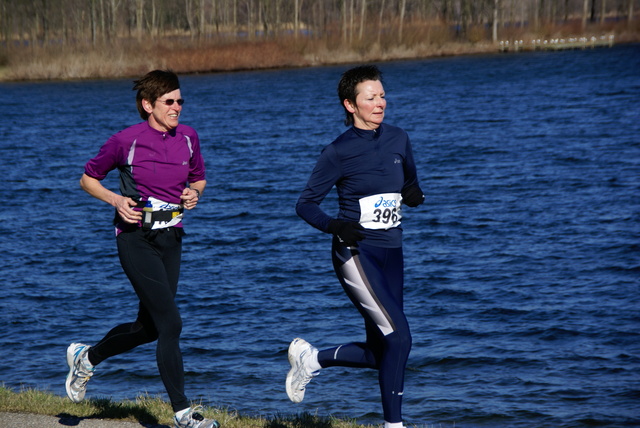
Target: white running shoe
column 193, row 419
column 79, row 374
column 299, row 375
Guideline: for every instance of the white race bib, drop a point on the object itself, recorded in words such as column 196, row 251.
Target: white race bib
column 382, row 211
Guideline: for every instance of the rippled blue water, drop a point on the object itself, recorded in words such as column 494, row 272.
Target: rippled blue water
column 522, row 267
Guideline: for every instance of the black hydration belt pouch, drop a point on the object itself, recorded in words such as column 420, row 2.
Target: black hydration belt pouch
column 149, row 218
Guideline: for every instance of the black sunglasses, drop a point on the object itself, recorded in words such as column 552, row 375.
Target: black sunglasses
column 170, row 101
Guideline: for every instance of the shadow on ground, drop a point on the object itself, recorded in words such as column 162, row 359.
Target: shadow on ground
column 110, row 410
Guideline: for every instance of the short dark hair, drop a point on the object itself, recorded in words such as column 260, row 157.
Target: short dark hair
column 350, row 80
column 152, row 86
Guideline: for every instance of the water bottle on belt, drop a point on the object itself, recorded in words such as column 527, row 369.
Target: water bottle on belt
column 147, row 216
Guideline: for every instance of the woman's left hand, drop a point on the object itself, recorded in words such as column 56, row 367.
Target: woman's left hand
column 189, row 198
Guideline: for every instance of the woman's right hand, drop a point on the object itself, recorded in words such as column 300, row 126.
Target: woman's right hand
column 348, row 232
column 124, row 206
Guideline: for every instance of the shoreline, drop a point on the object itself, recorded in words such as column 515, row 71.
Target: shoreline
column 40, row 408
column 185, row 58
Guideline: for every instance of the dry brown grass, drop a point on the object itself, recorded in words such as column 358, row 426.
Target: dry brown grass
column 129, row 58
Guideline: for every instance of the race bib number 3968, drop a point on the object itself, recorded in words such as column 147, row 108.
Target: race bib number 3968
column 380, row 211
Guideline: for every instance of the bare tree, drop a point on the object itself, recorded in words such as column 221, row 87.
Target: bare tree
column 114, row 6
column 494, row 33
column 351, row 18
column 139, row 18
column 403, row 8
column 201, row 19
column 585, row 12
column 380, row 21
column 343, row 14
column 41, row 22
column 296, row 17
column 363, row 14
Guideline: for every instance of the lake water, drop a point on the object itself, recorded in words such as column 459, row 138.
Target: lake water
column 522, row 267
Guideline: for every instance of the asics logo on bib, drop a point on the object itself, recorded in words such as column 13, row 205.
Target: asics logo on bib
column 167, row 207
column 385, row 203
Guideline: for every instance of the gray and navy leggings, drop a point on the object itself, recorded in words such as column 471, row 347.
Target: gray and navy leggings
column 151, row 261
column 373, row 279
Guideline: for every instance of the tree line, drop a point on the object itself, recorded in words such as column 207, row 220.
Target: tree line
column 95, row 22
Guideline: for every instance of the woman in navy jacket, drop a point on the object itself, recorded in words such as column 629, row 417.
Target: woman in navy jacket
column 372, row 167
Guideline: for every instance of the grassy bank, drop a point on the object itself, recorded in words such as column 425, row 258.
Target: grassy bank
column 149, row 410
column 126, row 58
column 188, row 57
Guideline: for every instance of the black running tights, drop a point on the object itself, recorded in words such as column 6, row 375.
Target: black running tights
column 151, row 261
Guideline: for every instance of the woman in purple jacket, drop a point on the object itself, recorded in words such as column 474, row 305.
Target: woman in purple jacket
column 372, row 167
column 162, row 173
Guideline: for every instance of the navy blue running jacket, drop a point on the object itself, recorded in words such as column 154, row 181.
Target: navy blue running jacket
column 369, row 169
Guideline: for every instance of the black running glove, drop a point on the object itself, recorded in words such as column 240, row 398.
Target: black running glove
column 412, row 196
column 348, row 232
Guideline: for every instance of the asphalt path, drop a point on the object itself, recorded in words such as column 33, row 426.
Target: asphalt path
column 29, row 420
